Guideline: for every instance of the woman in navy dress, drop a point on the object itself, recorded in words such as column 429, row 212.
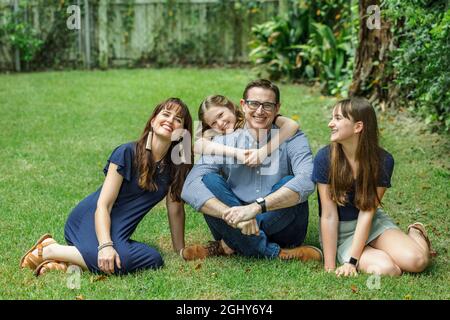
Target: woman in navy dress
column 138, row 175
column 352, row 174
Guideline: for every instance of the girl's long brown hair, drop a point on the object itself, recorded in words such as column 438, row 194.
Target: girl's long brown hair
column 145, row 163
column 219, row 101
column 367, row 158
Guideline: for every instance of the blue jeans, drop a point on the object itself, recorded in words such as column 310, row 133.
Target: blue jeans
column 283, row 228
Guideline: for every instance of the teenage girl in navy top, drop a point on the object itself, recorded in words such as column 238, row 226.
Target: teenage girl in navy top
column 352, row 174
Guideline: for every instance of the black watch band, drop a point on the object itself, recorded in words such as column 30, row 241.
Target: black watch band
column 262, row 203
column 353, row 261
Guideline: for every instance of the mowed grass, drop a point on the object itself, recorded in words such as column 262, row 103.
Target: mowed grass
column 58, row 129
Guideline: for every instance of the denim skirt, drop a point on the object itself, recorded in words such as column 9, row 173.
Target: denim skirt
column 346, row 230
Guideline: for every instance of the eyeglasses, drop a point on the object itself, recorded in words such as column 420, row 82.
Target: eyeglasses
column 254, row 105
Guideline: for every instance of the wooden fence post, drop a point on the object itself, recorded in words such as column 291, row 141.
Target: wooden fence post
column 103, row 34
column 283, row 8
column 16, row 51
column 80, row 40
column 87, row 38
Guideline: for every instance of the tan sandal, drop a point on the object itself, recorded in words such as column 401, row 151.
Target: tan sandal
column 49, row 265
column 29, row 259
column 421, row 228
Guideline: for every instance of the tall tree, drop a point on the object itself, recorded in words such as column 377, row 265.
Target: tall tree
column 371, row 77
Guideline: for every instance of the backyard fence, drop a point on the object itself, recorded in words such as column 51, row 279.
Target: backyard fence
column 136, row 32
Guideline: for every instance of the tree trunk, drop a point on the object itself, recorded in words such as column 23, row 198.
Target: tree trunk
column 371, row 78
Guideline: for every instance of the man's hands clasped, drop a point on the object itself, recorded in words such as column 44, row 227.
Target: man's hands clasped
column 243, row 218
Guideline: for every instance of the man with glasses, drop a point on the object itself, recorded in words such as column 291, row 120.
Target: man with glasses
column 255, row 211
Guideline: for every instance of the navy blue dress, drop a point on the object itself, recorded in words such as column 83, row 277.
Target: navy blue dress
column 131, row 205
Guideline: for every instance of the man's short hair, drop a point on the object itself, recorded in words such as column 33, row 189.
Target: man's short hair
column 263, row 83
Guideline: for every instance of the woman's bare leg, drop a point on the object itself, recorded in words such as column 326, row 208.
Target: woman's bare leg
column 419, row 239
column 409, row 252
column 69, row 254
column 378, row 262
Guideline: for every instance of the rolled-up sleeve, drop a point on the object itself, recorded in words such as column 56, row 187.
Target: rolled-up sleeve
column 194, row 190
column 301, row 161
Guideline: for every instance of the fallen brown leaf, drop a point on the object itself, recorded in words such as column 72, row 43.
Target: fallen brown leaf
column 98, row 278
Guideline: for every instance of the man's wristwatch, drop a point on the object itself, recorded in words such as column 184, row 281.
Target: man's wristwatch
column 262, row 203
column 353, row 261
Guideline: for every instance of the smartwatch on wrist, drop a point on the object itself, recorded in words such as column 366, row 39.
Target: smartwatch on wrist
column 353, row 261
column 262, row 203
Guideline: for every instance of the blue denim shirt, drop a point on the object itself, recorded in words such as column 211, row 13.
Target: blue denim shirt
column 293, row 157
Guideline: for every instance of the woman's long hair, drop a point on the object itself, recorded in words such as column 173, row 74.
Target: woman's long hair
column 145, row 162
column 219, row 101
column 367, row 156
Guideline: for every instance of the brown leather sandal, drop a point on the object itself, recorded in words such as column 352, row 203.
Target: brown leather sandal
column 421, row 228
column 49, row 265
column 29, row 259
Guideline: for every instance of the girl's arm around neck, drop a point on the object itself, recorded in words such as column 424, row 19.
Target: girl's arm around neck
column 288, row 128
column 204, row 146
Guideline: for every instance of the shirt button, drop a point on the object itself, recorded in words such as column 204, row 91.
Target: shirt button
column 257, row 171
column 257, row 190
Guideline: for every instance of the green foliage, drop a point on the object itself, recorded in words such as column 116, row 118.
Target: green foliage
column 274, row 49
column 422, row 61
column 22, row 36
column 44, row 48
column 312, row 44
column 330, row 59
column 128, row 13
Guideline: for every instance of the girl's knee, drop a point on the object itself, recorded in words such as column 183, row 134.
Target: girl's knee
column 384, row 268
column 415, row 261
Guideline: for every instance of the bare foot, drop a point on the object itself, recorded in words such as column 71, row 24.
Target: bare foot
column 45, row 250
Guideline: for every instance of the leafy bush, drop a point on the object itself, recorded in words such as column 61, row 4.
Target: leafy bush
column 275, row 50
column 329, row 59
column 43, row 48
column 22, row 36
column 422, row 61
column 312, row 44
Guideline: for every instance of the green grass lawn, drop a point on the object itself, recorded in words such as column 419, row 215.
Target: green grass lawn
column 58, row 129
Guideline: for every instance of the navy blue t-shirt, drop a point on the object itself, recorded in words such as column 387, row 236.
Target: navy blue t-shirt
column 320, row 175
